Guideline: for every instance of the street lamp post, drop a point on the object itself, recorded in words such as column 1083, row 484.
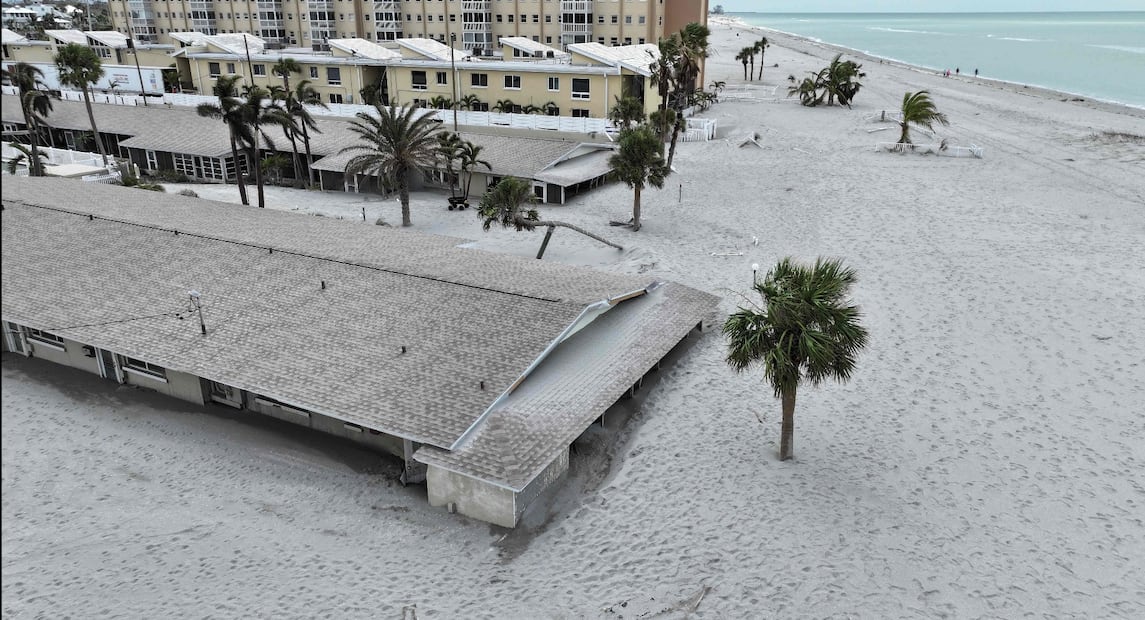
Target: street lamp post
column 453, row 67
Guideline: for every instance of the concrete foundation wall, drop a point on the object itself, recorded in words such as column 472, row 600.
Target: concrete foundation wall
column 72, row 355
column 472, row 497
column 546, row 479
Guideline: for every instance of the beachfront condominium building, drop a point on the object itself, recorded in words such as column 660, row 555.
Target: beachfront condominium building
column 476, row 25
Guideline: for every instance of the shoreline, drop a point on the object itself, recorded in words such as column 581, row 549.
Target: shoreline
column 798, row 42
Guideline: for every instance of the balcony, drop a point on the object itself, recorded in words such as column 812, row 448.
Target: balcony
column 576, row 6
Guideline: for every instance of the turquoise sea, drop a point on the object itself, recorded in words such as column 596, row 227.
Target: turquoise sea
column 1097, row 55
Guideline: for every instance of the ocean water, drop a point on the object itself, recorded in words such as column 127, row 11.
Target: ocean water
column 1097, row 55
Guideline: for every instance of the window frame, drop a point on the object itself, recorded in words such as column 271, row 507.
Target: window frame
column 144, row 369
column 512, row 79
column 479, row 80
column 580, row 95
column 46, row 338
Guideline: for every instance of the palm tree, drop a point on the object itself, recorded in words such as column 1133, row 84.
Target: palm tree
column 35, row 104
column 439, row 102
column 808, row 91
column 743, row 56
column 504, row 205
column 693, row 49
column 918, row 108
column 761, row 47
column 470, row 155
column 229, row 109
column 504, row 105
column 662, row 72
column 839, row 80
column 397, row 143
column 283, row 68
column 449, row 149
column 469, row 102
column 79, row 67
column 260, row 109
column 806, row 329
column 639, row 162
column 304, row 94
column 627, row 112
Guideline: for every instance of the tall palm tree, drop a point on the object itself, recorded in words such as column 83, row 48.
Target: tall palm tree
column 761, row 47
column 742, row 56
column 229, row 109
column 470, row 155
column 449, row 149
column 663, row 72
column 260, row 110
column 79, row 67
column 639, row 162
column 918, row 108
column 305, row 95
column 806, row 330
column 628, row 111
column 397, row 143
column 284, row 68
column 506, row 204
column 35, row 104
column 693, row 51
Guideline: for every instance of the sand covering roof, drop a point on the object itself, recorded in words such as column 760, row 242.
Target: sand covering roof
column 465, row 317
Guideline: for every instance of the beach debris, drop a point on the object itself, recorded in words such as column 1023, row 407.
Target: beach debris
column 754, row 240
column 727, row 253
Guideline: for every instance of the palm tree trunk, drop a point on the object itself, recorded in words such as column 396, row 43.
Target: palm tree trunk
column 294, row 157
column 787, row 430
column 675, row 136
column 94, row 130
column 309, row 157
column 403, row 195
column 257, row 153
column 752, row 73
column 579, row 230
column 37, row 165
column 761, row 64
column 636, row 209
column 905, row 137
column 238, row 171
column 545, row 243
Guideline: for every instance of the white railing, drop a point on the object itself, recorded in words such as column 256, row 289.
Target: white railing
column 936, row 149
column 53, row 156
column 107, row 178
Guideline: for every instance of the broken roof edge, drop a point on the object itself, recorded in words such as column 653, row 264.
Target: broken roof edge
column 592, row 311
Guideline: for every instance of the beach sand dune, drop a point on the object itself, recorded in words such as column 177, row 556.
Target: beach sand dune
column 987, row 459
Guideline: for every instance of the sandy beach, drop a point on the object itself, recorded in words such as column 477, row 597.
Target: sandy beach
column 986, row 460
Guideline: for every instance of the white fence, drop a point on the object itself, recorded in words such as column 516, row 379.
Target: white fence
column 52, row 156
column 937, row 149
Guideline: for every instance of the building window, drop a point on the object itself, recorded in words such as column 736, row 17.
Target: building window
column 213, row 69
column 335, row 98
column 230, row 68
column 152, row 160
column 334, row 76
column 628, row 19
column 44, row 337
column 554, row 83
column 615, row 19
column 513, row 82
column 642, row 18
column 628, row 40
column 418, row 80
column 441, row 79
column 184, row 163
column 580, row 113
column 548, row 19
column 580, row 88
column 479, row 80
column 314, row 73
column 600, row 19
column 259, row 69
column 143, row 368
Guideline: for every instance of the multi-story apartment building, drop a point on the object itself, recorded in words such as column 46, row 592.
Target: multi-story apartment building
column 476, row 25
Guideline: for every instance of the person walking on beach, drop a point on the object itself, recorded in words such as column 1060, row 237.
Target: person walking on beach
column 975, row 71
column 957, row 71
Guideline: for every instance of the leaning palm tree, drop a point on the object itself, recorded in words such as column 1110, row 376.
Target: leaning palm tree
column 229, row 109
column 283, row 68
column 662, row 70
column 397, row 143
column 506, row 204
column 79, row 67
column 808, row 90
column 918, row 108
column 840, row 82
column 305, row 95
column 35, row 104
column 639, row 162
column 693, row 51
column 806, row 330
column 761, row 46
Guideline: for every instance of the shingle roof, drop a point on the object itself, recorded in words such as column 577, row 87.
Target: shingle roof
column 574, row 385
column 465, row 316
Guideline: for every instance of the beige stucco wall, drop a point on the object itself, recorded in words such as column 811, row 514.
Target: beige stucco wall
column 353, row 77
column 30, row 53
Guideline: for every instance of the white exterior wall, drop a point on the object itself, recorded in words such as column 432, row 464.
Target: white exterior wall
column 487, row 502
column 72, row 355
column 178, row 384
